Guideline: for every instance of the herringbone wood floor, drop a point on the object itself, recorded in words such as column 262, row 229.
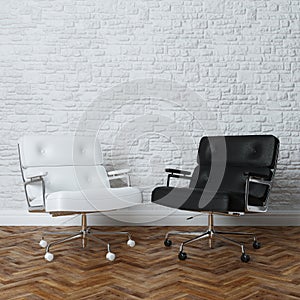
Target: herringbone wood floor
column 149, row 270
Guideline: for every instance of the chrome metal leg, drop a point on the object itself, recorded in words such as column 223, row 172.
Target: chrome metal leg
column 210, row 239
column 97, row 239
column 211, row 233
column 84, row 234
column 184, row 233
column 234, row 233
column 60, row 233
column 237, row 233
column 110, row 256
column 70, row 238
column 202, row 236
column 99, row 232
column 230, row 241
column 84, row 230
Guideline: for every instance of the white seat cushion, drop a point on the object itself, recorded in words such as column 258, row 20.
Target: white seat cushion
column 92, row 200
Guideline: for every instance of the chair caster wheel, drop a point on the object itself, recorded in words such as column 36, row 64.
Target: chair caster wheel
column 245, row 257
column 131, row 243
column 167, row 242
column 49, row 256
column 110, row 256
column 256, row 245
column 182, row 255
column 43, row 243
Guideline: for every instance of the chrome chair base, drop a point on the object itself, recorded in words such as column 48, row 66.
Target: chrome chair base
column 84, row 234
column 211, row 234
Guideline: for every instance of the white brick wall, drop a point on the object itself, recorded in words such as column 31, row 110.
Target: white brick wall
column 217, row 67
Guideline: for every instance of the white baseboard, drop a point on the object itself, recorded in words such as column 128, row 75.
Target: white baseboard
column 149, row 215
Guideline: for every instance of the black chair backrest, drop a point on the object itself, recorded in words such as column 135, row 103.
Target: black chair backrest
column 224, row 160
column 252, row 150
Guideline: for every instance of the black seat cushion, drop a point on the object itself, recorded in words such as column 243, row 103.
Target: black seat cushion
column 232, row 182
column 190, row 199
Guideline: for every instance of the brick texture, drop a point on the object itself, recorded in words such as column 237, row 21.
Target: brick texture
column 150, row 78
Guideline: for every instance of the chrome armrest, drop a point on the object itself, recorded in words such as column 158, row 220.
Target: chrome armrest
column 34, row 178
column 118, row 174
column 176, row 173
column 258, row 179
column 261, row 180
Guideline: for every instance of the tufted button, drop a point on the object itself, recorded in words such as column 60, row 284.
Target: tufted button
column 43, row 151
column 256, row 149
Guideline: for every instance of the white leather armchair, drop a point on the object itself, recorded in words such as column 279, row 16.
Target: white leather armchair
column 64, row 175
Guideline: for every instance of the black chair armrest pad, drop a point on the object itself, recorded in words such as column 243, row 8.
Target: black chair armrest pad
column 257, row 175
column 176, row 171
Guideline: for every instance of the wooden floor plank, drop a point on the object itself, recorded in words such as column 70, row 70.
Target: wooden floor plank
column 150, row 270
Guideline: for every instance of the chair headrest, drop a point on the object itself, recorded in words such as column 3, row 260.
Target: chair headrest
column 63, row 150
column 254, row 150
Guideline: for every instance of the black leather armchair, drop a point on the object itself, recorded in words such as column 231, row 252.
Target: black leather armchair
column 234, row 175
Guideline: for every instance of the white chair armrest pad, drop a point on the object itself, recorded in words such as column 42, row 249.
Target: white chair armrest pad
column 38, row 174
column 118, row 172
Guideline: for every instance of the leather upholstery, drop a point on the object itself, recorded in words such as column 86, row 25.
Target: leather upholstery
column 68, row 178
column 76, row 179
column 230, row 157
column 65, row 150
column 188, row 199
column 233, row 183
column 91, row 200
column 253, row 150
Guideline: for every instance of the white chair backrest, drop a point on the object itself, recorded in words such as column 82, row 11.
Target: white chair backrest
column 47, row 150
column 71, row 162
